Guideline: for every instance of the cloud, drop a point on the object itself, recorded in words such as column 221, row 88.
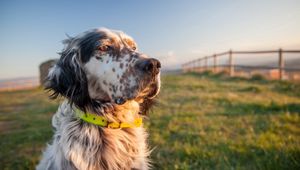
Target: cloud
column 170, row 54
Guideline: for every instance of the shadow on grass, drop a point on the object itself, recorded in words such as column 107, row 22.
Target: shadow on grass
column 289, row 88
column 237, row 109
column 223, row 76
column 279, row 86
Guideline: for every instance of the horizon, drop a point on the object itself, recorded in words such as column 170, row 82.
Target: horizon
column 172, row 31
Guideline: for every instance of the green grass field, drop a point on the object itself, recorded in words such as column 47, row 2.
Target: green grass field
column 200, row 122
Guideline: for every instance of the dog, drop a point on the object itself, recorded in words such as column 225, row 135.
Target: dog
column 108, row 87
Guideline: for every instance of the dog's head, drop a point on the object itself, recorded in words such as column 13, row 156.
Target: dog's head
column 104, row 65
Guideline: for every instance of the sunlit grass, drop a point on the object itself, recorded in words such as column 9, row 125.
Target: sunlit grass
column 215, row 122
column 201, row 122
column 25, row 127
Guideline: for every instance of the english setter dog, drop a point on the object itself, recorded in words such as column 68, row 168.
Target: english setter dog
column 108, row 86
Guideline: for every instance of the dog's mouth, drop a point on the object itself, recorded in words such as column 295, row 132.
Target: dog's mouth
column 154, row 87
column 150, row 90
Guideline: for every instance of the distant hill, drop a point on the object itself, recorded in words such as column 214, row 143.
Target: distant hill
column 294, row 63
column 19, row 83
column 289, row 63
column 171, row 71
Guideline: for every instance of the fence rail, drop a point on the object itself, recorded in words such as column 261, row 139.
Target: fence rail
column 201, row 64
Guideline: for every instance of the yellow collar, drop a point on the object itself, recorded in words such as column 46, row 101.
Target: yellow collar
column 102, row 121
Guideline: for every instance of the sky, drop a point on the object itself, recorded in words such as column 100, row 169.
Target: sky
column 174, row 31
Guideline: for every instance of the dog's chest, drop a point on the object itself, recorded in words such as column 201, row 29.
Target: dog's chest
column 91, row 147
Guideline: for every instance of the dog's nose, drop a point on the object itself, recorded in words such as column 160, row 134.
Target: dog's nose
column 149, row 65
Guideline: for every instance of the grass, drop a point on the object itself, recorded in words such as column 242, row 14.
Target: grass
column 25, row 126
column 201, row 122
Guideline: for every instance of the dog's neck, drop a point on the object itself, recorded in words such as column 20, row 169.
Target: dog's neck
column 126, row 112
column 88, row 146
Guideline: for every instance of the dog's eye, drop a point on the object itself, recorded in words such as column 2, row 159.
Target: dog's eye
column 134, row 48
column 104, row 48
column 98, row 57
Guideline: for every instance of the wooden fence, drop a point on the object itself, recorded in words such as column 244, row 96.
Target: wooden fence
column 201, row 64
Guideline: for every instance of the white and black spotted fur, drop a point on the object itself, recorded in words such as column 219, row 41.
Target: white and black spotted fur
column 100, row 71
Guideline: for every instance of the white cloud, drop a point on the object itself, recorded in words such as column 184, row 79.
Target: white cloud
column 170, row 54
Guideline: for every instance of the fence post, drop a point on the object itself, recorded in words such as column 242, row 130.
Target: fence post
column 205, row 60
column 215, row 63
column 281, row 64
column 194, row 65
column 231, row 64
column 198, row 65
column 201, row 65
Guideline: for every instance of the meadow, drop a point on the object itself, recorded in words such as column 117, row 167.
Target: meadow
column 200, row 121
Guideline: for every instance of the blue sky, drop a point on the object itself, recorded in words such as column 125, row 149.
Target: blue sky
column 174, row 31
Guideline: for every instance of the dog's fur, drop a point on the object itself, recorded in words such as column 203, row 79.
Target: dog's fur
column 100, row 71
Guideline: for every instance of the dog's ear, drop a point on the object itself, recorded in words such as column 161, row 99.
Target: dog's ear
column 67, row 78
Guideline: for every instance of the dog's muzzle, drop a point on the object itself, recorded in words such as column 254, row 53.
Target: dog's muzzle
column 149, row 69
